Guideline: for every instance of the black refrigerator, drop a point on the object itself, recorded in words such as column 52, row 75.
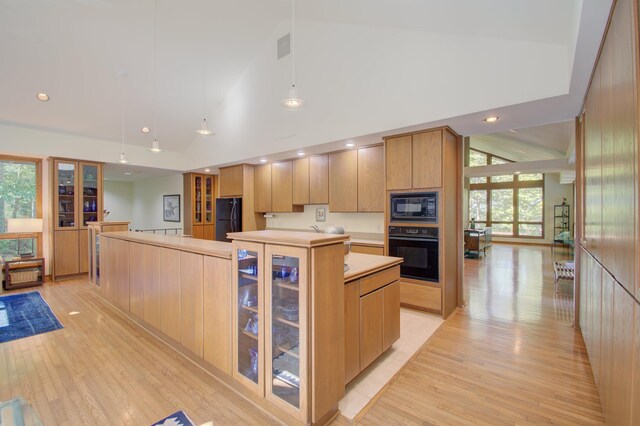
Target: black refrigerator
column 228, row 217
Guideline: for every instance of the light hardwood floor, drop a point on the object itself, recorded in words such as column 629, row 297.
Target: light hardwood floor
column 509, row 357
column 102, row 369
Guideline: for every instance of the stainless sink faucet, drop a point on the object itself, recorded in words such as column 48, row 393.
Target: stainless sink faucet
column 315, row 228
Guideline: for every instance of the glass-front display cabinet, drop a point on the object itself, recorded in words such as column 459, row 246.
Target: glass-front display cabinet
column 65, row 194
column 197, row 211
column 90, row 200
column 248, row 321
column 209, row 199
column 285, row 298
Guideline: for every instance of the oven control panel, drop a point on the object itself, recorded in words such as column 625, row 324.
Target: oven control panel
column 413, row 231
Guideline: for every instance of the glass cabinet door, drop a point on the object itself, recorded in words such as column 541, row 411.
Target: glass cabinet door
column 89, row 201
column 66, row 189
column 197, row 199
column 286, row 334
column 248, row 321
column 208, row 199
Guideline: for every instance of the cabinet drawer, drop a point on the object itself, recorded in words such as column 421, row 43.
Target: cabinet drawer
column 357, row 248
column 421, row 296
column 375, row 281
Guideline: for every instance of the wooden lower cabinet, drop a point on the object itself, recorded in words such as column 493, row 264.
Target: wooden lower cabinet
column 151, row 287
column 372, row 320
column 216, row 322
column 421, row 296
column 191, row 301
column 367, row 249
column 209, row 232
column 66, row 253
column 120, row 274
column 197, row 231
column 83, row 251
column 352, row 330
column 391, row 315
column 371, row 327
column 169, row 292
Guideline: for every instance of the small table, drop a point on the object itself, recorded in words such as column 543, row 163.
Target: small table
column 563, row 270
column 476, row 240
column 23, row 272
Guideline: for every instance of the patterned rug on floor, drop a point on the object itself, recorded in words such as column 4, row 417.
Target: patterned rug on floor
column 178, row 418
column 24, row 315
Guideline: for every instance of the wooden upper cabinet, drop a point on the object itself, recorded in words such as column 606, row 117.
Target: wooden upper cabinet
column 282, row 187
column 231, row 181
column 398, row 162
column 319, row 179
column 301, row 181
column 343, row 181
column 427, row 160
column 262, row 180
column 371, row 179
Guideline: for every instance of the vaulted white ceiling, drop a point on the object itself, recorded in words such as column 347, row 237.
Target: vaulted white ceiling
column 365, row 68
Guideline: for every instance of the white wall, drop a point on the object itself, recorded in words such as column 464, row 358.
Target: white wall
column 147, row 201
column 352, row 222
column 118, row 200
column 419, row 77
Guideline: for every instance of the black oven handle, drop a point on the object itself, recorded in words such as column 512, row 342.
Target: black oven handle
column 430, row 240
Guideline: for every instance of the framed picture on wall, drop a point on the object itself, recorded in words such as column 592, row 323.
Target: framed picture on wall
column 171, row 208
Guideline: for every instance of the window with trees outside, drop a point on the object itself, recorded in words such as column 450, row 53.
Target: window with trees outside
column 20, row 197
column 512, row 205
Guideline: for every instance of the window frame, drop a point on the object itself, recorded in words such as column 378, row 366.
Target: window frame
column 515, row 185
column 37, row 235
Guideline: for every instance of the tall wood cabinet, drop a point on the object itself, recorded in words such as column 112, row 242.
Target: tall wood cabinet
column 200, row 205
column 431, row 160
column 288, row 320
column 77, row 199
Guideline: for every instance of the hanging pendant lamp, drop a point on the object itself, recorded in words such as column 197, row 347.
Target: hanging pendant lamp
column 204, row 128
column 155, row 146
column 293, row 102
column 122, row 74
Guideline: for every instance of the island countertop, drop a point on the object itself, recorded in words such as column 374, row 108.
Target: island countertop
column 178, row 242
column 361, row 265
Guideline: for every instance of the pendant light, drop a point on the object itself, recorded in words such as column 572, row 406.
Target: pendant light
column 204, row 128
column 155, row 146
column 122, row 74
column 293, row 102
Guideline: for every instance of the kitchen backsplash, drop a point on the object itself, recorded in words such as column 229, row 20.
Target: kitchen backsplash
column 352, row 222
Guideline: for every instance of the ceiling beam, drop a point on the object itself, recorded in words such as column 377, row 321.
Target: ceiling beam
column 542, row 166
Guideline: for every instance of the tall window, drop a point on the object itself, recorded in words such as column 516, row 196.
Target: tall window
column 20, row 197
column 512, row 205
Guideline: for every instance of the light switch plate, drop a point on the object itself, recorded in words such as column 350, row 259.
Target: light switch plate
column 321, row 215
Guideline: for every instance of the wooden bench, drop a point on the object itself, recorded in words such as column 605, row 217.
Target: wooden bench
column 563, row 270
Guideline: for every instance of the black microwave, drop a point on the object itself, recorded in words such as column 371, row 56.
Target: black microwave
column 415, row 207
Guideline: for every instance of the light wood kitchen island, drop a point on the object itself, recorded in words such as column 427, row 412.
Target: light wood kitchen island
column 263, row 314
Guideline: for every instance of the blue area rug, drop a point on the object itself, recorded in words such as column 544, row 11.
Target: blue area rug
column 178, row 418
column 24, row 315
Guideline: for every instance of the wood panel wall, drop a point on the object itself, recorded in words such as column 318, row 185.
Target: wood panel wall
column 608, row 289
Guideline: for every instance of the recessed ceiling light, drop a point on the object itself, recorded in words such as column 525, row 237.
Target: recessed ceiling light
column 127, row 173
column 42, row 97
column 491, row 119
column 300, row 154
column 263, row 160
column 349, row 144
column 207, row 170
column 513, row 131
column 516, row 173
column 145, row 130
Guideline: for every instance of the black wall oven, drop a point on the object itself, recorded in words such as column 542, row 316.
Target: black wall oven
column 419, row 248
column 415, row 207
